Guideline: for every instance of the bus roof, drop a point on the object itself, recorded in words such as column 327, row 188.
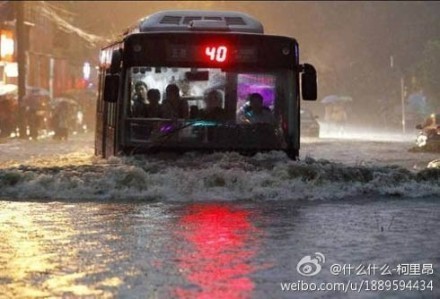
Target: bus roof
column 197, row 20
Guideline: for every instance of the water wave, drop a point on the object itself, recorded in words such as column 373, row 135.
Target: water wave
column 218, row 176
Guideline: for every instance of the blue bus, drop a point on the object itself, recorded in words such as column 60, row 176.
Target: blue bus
column 201, row 81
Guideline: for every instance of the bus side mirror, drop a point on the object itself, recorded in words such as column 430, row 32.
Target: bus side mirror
column 309, row 86
column 111, row 88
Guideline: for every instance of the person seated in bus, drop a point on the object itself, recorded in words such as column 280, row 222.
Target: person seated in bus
column 173, row 106
column 139, row 106
column 213, row 107
column 255, row 112
column 154, row 109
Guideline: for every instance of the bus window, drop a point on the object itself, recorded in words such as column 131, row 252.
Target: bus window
column 256, row 98
column 193, row 93
column 263, row 84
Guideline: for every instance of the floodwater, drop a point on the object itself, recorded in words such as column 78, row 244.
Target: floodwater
column 221, row 225
column 210, row 250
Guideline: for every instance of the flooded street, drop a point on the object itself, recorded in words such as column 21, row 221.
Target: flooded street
column 208, row 250
column 216, row 226
column 253, row 150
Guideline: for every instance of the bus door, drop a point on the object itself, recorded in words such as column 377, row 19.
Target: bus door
column 99, row 124
column 99, row 138
column 105, row 124
column 109, row 111
column 109, row 136
column 105, row 129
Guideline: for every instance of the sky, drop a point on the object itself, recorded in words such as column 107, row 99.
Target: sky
column 350, row 43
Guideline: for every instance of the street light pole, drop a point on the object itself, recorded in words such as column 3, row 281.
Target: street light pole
column 402, row 95
column 402, row 99
column 21, row 61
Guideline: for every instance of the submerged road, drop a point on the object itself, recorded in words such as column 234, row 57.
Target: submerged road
column 359, row 212
column 213, row 250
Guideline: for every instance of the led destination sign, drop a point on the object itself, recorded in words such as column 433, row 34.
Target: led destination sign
column 212, row 53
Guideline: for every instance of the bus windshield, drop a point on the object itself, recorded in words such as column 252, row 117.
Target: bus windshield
column 170, row 97
column 197, row 87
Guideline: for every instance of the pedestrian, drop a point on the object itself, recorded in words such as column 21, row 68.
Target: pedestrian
column 61, row 121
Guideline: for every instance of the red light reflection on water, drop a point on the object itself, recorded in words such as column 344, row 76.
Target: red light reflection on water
column 222, row 243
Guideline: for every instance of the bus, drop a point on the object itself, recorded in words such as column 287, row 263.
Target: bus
column 255, row 79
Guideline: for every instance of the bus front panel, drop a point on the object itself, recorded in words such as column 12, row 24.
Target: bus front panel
column 253, row 78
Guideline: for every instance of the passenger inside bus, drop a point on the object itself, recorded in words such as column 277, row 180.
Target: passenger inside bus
column 213, row 107
column 254, row 112
column 139, row 106
column 154, row 109
column 173, row 105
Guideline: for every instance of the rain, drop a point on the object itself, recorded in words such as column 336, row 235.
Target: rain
column 339, row 198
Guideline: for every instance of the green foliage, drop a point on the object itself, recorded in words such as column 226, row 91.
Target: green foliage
column 428, row 70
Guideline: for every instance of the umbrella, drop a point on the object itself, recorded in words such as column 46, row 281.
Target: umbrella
column 417, row 102
column 345, row 99
column 30, row 90
column 57, row 101
column 83, row 96
column 417, row 99
column 80, row 93
column 331, row 99
column 37, row 91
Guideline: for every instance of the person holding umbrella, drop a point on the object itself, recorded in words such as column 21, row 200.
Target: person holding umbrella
column 336, row 113
column 61, row 121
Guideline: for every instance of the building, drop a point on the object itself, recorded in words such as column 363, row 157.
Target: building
column 56, row 61
column 54, row 58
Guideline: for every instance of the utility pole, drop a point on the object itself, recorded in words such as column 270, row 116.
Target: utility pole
column 402, row 99
column 21, row 61
column 402, row 95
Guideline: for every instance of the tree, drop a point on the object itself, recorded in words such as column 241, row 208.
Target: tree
column 428, row 70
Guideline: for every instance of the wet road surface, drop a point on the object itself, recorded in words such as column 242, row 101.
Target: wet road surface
column 208, row 250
